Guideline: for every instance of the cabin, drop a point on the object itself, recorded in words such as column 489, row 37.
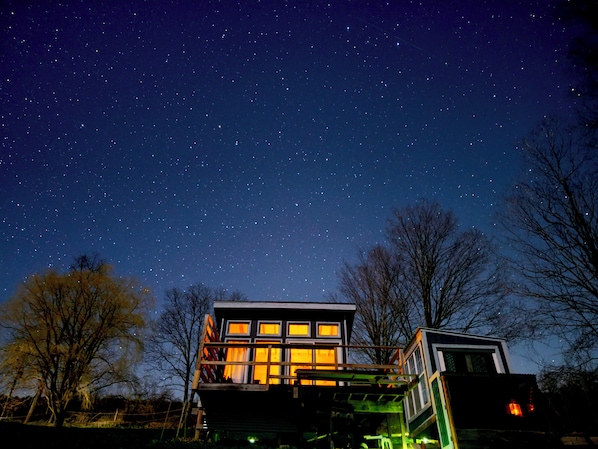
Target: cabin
column 285, row 371
column 467, row 395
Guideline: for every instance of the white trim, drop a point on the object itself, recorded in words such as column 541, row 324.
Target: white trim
column 328, row 323
column 228, row 323
column 438, row 348
column 440, row 364
column 256, row 305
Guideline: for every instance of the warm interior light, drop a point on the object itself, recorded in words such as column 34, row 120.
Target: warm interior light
column 236, row 373
column 269, row 329
column 531, row 407
column 328, row 330
column 325, row 358
column 299, row 329
column 260, row 372
column 514, row 408
column 238, row 328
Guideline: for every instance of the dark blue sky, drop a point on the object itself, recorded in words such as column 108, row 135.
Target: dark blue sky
column 257, row 145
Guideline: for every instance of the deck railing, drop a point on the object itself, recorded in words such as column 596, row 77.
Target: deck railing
column 218, row 361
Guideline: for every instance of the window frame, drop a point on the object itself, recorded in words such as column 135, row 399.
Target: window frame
column 422, row 389
column 338, row 355
column 328, row 323
column 279, row 362
column 247, row 334
column 260, row 334
column 238, row 369
column 439, row 349
column 290, row 323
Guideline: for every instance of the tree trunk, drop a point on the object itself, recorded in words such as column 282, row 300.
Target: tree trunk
column 32, row 407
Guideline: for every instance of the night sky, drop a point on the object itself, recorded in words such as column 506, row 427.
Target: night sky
column 255, row 146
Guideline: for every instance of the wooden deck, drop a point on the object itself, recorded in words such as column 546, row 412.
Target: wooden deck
column 295, row 397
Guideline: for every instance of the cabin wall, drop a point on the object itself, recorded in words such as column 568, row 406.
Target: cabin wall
column 273, row 326
column 433, row 355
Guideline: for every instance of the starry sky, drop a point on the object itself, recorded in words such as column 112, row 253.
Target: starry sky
column 256, row 145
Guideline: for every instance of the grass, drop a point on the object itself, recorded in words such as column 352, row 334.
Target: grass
column 21, row 436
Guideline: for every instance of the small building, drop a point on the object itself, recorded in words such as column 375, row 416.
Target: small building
column 467, row 394
column 287, row 373
column 284, row 370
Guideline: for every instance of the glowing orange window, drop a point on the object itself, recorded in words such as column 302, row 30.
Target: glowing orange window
column 325, row 359
column 299, row 329
column 238, row 328
column 262, row 372
column 328, row 330
column 236, row 372
column 269, row 329
column 301, row 358
column 514, row 408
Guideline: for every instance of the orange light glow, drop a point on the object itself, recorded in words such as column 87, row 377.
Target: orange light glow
column 238, row 328
column 328, row 330
column 269, row 329
column 260, row 372
column 300, row 359
column 531, row 407
column 236, row 373
column 328, row 358
column 296, row 329
column 515, row 409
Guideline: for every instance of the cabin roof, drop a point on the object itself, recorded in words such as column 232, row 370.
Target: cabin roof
column 278, row 305
column 281, row 310
column 448, row 334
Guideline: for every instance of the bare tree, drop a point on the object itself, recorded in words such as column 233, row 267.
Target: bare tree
column 452, row 279
column 430, row 275
column 373, row 285
column 75, row 332
column 552, row 221
column 174, row 343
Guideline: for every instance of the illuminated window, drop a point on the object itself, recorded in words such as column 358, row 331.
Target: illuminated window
column 299, row 329
column 269, row 329
column 328, row 330
column 325, row 359
column 300, row 358
column 261, row 372
column 514, row 408
column 236, row 373
column 236, row 328
column 318, row 358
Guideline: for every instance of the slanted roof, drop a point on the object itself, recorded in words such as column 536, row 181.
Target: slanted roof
column 281, row 310
column 283, row 305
